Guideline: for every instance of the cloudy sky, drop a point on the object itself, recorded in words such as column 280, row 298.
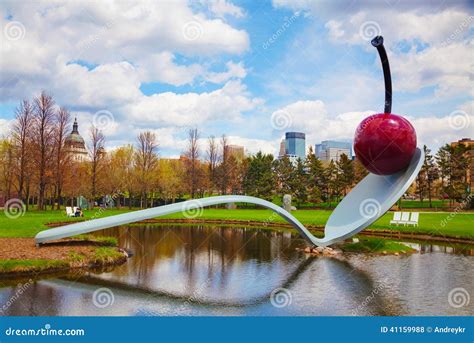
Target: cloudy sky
column 249, row 69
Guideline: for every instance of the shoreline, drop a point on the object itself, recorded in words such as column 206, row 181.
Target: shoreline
column 20, row 258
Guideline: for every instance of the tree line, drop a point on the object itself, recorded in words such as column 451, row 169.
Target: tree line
column 37, row 168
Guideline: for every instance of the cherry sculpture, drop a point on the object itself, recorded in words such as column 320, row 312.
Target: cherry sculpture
column 385, row 142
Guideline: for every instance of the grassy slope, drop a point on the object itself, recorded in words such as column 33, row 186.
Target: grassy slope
column 460, row 224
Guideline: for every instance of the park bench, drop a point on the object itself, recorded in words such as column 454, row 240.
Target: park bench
column 70, row 212
column 404, row 218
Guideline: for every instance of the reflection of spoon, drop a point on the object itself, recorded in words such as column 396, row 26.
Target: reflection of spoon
column 367, row 202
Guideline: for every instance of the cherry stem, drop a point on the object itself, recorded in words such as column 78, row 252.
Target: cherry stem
column 378, row 43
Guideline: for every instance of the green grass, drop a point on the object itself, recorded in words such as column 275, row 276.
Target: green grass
column 75, row 257
column 103, row 240
column 106, row 255
column 18, row 266
column 377, row 245
column 441, row 223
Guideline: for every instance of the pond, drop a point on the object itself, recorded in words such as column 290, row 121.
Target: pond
column 214, row 270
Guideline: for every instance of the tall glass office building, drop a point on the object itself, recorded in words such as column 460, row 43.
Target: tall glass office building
column 332, row 150
column 295, row 145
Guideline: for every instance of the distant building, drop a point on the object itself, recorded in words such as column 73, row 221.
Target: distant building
column 75, row 145
column 295, row 145
column 470, row 170
column 237, row 151
column 282, row 151
column 332, row 150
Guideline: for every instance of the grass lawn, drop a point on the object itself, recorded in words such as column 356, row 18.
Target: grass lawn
column 8, row 266
column 441, row 223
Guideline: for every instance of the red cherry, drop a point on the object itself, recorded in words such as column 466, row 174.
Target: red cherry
column 385, row 143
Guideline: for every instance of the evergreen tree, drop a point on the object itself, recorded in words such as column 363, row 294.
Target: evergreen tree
column 316, row 177
column 429, row 171
column 333, row 182
column 285, row 173
column 299, row 183
column 259, row 180
column 345, row 172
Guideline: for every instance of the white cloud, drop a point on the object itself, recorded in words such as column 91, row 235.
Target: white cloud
column 312, row 118
column 252, row 145
column 234, row 70
column 222, row 7
column 162, row 68
column 428, row 45
column 4, row 127
column 109, row 33
column 193, row 109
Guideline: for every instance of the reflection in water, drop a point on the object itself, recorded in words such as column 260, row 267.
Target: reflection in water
column 203, row 270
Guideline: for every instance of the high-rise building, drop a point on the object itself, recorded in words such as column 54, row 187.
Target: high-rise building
column 236, row 150
column 74, row 144
column 282, row 151
column 295, row 145
column 332, row 150
column 469, row 143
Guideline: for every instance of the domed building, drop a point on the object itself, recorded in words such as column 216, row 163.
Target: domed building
column 75, row 145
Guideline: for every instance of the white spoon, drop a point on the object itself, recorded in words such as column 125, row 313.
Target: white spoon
column 367, row 202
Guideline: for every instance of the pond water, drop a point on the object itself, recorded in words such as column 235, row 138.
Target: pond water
column 212, row 270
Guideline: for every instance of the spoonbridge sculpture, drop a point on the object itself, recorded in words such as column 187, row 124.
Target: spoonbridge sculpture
column 385, row 144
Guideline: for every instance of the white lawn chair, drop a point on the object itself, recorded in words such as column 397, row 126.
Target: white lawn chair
column 405, row 218
column 69, row 212
column 396, row 218
column 74, row 209
column 414, row 219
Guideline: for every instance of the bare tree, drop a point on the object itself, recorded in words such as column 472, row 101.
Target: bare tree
column 43, row 135
column 212, row 156
column 6, row 163
column 96, row 151
column 224, row 166
column 21, row 138
column 146, row 161
column 192, row 161
column 63, row 119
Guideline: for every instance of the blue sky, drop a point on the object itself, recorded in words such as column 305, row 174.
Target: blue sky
column 237, row 67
